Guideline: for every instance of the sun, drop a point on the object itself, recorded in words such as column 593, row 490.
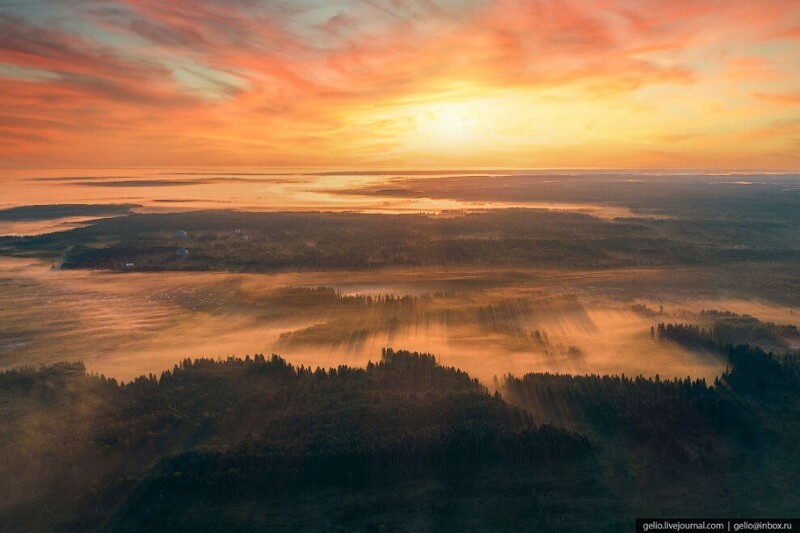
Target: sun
column 450, row 122
column 453, row 127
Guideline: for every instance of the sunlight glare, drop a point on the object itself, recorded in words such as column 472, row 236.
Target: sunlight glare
column 450, row 123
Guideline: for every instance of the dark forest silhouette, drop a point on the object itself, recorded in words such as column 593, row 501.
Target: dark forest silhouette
column 255, row 440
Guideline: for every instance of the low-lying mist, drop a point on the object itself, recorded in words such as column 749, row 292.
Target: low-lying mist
column 487, row 323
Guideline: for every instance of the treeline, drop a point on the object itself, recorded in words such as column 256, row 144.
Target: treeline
column 683, row 446
column 45, row 212
column 78, row 444
column 750, row 368
column 749, row 329
column 260, row 444
column 728, row 328
column 755, row 372
column 664, row 415
column 330, row 297
column 688, row 335
column 221, row 240
column 678, row 418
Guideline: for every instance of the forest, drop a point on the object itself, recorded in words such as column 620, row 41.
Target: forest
column 509, row 238
column 730, row 328
column 260, row 444
column 399, row 266
column 404, row 443
column 220, row 240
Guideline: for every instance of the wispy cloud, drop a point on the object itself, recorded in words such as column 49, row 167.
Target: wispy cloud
column 500, row 82
column 786, row 99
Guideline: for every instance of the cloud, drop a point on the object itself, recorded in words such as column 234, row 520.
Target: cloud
column 784, row 99
column 137, row 183
column 28, row 46
column 345, row 81
column 791, row 33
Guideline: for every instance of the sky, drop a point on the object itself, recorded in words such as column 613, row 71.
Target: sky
column 393, row 83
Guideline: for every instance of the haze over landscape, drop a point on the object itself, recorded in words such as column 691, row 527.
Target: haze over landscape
column 371, row 265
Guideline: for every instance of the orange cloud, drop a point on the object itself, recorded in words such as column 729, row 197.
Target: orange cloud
column 787, row 99
column 505, row 82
